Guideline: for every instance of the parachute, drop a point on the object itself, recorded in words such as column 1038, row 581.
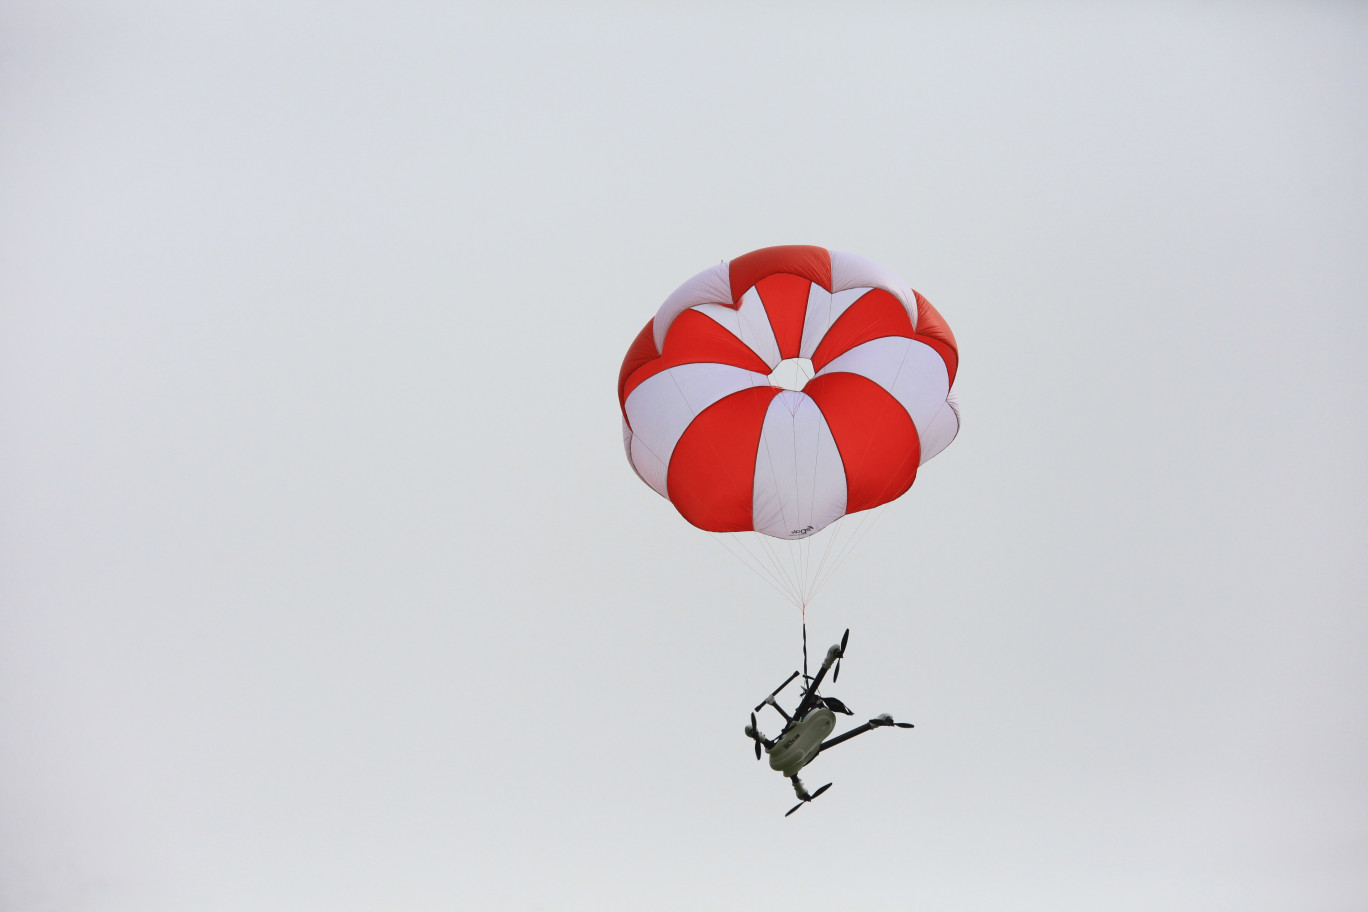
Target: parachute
column 776, row 393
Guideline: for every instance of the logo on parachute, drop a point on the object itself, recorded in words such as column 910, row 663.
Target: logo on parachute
column 803, row 531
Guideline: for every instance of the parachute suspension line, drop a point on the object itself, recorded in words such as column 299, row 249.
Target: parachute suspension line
column 805, row 674
column 793, row 571
column 793, row 575
column 837, row 547
column 767, row 570
column 866, row 521
column 754, row 564
column 796, row 549
column 834, row 531
column 805, row 550
column 808, row 578
column 861, row 530
column 862, row 527
column 780, row 570
column 762, row 569
column 837, row 534
column 764, row 566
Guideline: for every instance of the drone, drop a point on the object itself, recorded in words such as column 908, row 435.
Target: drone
column 804, row 735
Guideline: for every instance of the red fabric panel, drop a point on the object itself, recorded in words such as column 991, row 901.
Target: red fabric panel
column 877, row 440
column 935, row 332
column 875, row 315
column 785, row 297
column 812, row 263
column 712, row 471
column 642, row 350
column 694, row 338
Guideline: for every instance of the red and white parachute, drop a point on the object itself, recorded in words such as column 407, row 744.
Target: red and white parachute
column 783, row 390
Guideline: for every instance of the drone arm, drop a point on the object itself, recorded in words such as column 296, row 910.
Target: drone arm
column 858, row 730
column 883, row 721
column 810, row 697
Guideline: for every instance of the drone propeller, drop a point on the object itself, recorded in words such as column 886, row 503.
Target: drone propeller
column 836, row 672
column 886, row 719
column 754, row 734
column 811, row 797
column 836, row 705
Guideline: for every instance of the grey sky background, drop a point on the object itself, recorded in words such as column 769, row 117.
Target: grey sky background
column 325, row 584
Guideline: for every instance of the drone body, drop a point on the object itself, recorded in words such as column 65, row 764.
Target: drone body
column 804, row 735
column 801, row 741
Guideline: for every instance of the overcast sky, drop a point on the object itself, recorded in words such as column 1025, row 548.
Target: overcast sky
column 325, row 583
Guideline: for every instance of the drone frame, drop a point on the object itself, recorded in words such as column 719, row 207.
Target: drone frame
column 810, row 701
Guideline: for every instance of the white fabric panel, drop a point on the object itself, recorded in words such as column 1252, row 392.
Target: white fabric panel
column 800, row 484
column 912, row 371
column 817, row 319
column 942, row 431
column 824, row 309
column 627, row 444
column 749, row 322
column 661, row 408
column 851, row 271
column 711, row 286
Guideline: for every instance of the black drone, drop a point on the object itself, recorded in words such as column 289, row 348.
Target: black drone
column 802, row 737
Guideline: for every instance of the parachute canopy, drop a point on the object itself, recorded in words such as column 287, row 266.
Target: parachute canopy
column 787, row 388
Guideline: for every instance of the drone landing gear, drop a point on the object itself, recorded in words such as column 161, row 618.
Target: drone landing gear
column 802, row 793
